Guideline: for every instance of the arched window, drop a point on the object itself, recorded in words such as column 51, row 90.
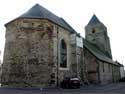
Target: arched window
column 63, row 54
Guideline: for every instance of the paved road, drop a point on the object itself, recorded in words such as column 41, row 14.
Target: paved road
column 118, row 88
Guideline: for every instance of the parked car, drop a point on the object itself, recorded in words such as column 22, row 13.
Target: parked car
column 70, row 83
column 122, row 79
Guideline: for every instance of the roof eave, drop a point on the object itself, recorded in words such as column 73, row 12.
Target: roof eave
column 39, row 18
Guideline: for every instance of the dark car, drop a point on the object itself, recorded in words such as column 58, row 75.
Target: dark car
column 122, row 79
column 70, row 83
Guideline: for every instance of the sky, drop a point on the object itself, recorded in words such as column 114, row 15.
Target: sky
column 77, row 13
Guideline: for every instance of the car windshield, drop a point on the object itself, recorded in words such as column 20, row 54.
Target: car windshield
column 74, row 79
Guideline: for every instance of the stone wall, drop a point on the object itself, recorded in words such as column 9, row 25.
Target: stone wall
column 116, row 73
column 122, row 72
column 105, row 72
column 28, row 57
column 100, row 71
column 97, row 34
column 91, row 67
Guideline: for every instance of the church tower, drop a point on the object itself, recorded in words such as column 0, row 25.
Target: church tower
column 96, row 33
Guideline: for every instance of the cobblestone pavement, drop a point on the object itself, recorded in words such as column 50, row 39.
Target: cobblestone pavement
column 118, row 88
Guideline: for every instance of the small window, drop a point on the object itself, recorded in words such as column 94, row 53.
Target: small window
column 63, row 54
column 93, row 30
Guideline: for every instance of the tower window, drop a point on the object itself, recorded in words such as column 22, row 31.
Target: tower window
column 93, row 30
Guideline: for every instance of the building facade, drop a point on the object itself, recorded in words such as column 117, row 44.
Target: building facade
column 42, row 49
column 101, row 68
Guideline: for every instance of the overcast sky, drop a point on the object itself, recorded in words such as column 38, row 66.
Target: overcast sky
column 77, row 13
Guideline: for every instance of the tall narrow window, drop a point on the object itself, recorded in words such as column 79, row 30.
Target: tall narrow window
column 63, row 54
column 103, row 67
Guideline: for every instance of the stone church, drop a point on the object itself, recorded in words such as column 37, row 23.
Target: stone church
column 42, row 49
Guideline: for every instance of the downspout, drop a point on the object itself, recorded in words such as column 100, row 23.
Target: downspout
column 76, row 57
column 57, row 84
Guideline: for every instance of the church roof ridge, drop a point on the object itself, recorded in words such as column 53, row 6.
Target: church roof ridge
column 37, row 11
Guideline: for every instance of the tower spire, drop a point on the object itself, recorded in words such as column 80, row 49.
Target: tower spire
column 94, row 20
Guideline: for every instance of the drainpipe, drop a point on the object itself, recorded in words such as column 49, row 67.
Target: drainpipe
column 76, row 55
column 77, row 70
column 57, row 84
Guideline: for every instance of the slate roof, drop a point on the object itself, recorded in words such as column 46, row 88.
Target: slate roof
column 37, row 11
column 94, row 20
column 96, row 52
